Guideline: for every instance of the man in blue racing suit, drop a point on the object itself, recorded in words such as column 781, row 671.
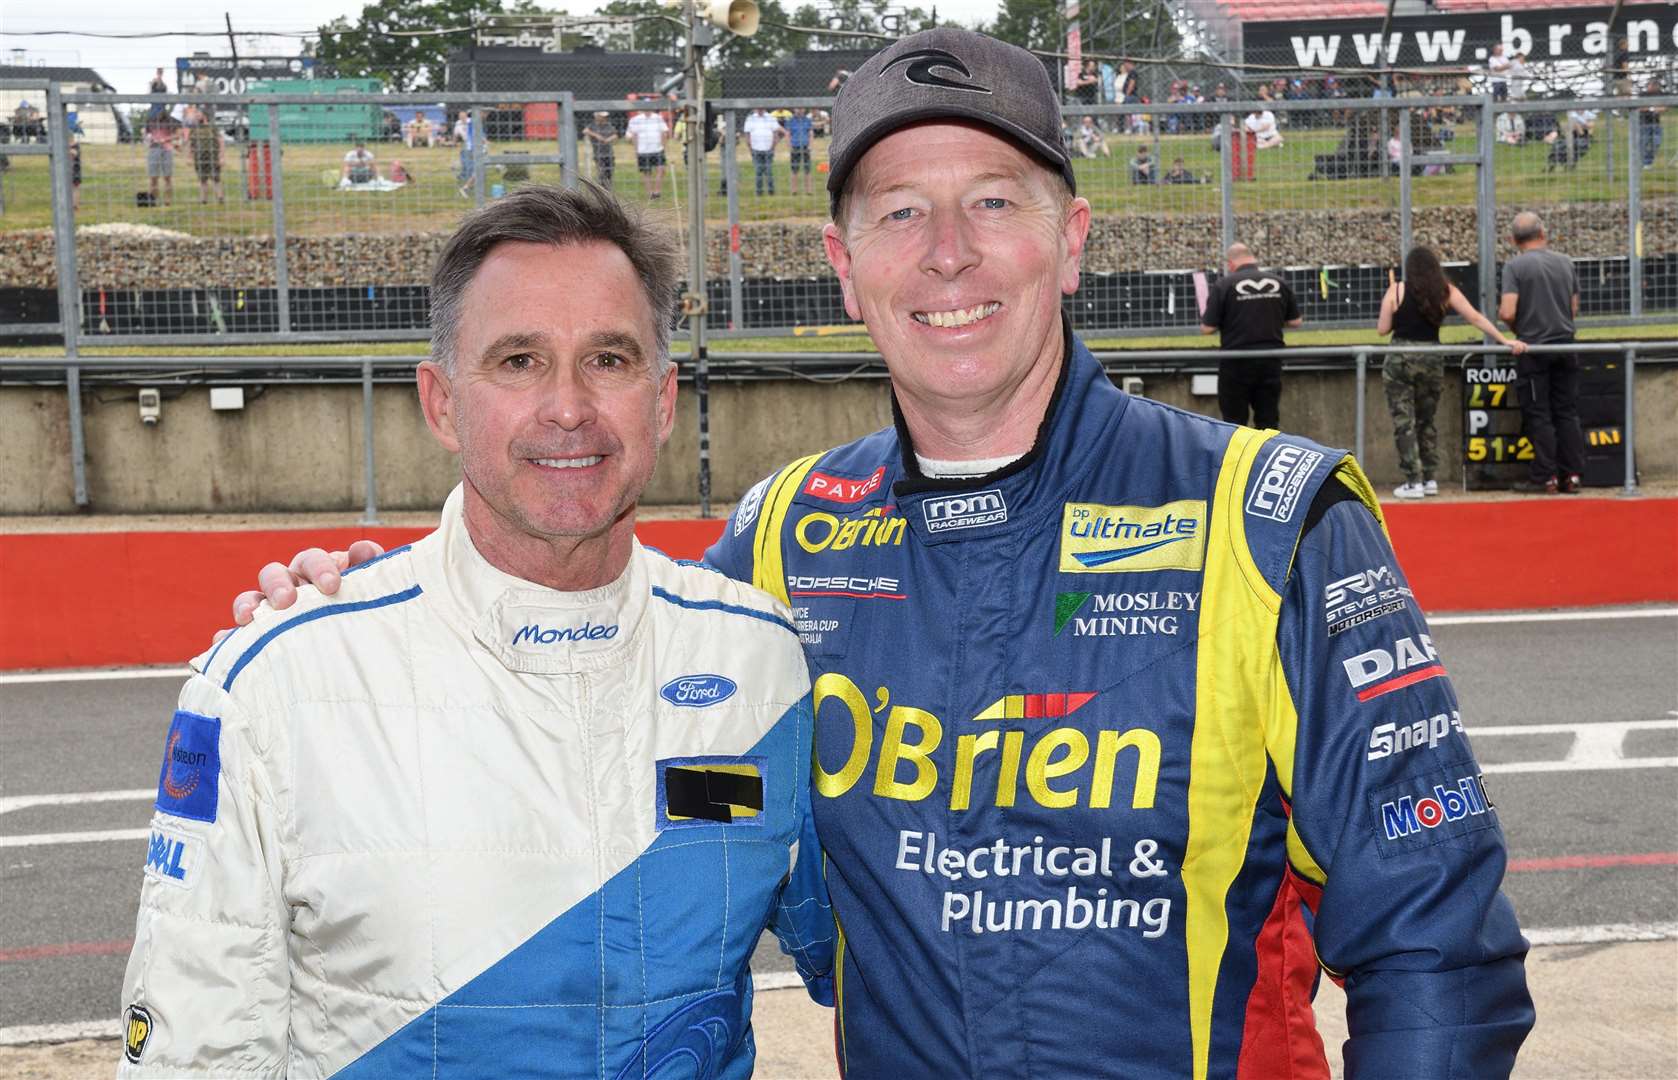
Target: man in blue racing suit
column 1128, row 726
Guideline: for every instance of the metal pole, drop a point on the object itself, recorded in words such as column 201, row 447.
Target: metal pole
column 1634, row 211
column 69, row 287
column 282, row 268
column 369, row 515
column 480, row 136
column 78, row 441
column 736, row 264
column 568, row 141
column 1486, row 211
column 694, row 304
column 1363, row 379
column 1404, row 219
column 1226, row 155
column 1631, row 419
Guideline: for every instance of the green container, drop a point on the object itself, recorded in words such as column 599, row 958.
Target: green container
column 326, row 122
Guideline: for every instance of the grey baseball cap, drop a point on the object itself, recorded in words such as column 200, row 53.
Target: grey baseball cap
column 942, row 73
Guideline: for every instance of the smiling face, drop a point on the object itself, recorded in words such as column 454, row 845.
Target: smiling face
column 956, row 248
column 555, row 402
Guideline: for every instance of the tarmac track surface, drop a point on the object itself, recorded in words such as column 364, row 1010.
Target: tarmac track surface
column 1573, row 715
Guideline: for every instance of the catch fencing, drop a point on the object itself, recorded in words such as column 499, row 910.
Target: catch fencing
column 260, row 219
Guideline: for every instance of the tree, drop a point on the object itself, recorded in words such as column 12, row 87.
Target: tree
column 369, row 46
column 1114, row 27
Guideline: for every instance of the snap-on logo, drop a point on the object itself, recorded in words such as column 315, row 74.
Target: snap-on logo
column 950, row 512
column 698, row 691
column 922, row 61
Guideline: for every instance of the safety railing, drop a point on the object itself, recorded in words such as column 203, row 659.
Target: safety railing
column 726, row 366
column 257, row 219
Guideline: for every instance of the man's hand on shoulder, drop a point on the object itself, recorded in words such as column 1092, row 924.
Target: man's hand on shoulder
column 277, row 583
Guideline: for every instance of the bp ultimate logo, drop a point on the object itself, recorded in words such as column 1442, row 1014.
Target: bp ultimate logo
column 1096, row 539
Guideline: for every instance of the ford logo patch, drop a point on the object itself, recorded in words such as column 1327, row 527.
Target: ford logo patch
column 697, row 691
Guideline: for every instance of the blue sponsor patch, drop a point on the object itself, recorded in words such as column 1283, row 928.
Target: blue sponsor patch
column 698, row 691
column 710, row 790
column 1430, row 808
column 189, row 782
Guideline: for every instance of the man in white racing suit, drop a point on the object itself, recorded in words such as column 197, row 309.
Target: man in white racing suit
column 520, row 798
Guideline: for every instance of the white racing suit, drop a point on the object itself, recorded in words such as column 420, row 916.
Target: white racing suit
column 451, row 823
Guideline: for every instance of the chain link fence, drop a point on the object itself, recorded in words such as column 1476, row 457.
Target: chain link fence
column 278, row 216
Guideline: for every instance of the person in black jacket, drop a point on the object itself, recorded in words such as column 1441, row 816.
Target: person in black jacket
column 1249, row 307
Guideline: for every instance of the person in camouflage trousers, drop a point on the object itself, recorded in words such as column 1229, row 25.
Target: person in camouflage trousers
column 1412, row 311
column 1414, row 383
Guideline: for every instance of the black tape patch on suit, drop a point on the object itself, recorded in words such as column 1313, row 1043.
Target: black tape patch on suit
column 707, row 795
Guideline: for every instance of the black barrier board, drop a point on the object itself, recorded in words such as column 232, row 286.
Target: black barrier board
column 1496, row 453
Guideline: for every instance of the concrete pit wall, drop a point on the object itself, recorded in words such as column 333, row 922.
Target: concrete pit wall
column 298, row 448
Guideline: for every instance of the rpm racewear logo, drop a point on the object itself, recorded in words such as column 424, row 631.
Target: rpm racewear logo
column 188, row 785
column 698, row 691
column 1096, row 539
column 1276, row 495
column 1258, row 289
column 919, row 70
column 1381, row 671
column 136, row 1032
column 948, row 513
column 1425, row 810
column 844, row 489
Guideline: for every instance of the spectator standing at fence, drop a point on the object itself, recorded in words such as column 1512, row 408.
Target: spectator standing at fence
column 799, row 127
column 1540, row 301
column 205, row 142
column 763, row 132
column 1411, row 311
column 157, row 86
column 1497, row 71
column 465, row 132
column 1650, row 117
column 1249, row 307
column 163, row 135
column 649, row 131
column 1086, row 88
column 602, row 138
column 1519, row 76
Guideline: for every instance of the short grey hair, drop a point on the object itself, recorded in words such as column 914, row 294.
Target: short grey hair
column 540, row 214
column 1526, row 227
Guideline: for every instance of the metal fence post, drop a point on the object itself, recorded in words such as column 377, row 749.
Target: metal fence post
column 1226, row 190
column 1631, row 408
column 480, row 137
column 1634, row 211
column 736, row 265
column 282, row 267
column 1363, row 379
column 370, row 514
column 568, row 141
column 69, row 286
column 1404, row 219
column 1486, row 211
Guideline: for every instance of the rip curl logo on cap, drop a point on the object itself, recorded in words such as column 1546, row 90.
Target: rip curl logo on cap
column 922, row 61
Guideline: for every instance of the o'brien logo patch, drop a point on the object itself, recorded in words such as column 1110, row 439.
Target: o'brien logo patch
column 709, row 791
column 136, row 1032
column 698, row 691
column 189, row 782
column 1096, row 539
column 1276, row 495
column 948, row 513
column 843, row 489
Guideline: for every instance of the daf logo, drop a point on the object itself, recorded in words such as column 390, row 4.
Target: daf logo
column 1259, row 287
column 922, row 61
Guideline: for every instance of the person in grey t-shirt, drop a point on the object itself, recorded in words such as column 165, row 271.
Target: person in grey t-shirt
column 1539, row 303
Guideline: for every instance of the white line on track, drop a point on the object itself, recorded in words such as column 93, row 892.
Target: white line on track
column 1584, row 615
column 786, row 980
column 54, row 839
column 1595, row 746
column 73, row 798
column 94, row 675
